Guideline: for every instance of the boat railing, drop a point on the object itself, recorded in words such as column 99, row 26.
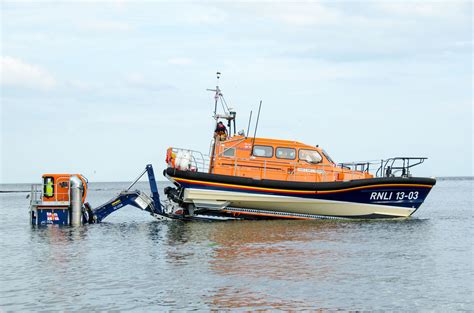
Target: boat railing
column 391, row 167
column 36, row 194
column 187, row 159
column 360, row 166
column 398, row 166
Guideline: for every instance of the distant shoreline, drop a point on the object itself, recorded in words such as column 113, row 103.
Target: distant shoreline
column 455, row 178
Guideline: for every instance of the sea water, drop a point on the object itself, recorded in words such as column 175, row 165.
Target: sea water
column 133, row 262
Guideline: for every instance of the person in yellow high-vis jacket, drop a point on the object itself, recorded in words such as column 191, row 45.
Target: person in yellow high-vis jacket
column 49, row 187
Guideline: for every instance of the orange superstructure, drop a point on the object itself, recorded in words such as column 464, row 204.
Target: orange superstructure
column 274, row 159
column 56, row 187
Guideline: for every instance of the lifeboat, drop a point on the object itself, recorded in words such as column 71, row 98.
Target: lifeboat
column 250, row 177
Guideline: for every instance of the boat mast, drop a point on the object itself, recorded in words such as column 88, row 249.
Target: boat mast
column 217, row 95
column 216, row 99
column 228, row 114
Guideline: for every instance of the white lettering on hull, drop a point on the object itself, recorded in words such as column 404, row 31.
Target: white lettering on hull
column 385, row 195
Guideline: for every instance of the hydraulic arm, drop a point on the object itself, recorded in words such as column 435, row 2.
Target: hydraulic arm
column 134, row 198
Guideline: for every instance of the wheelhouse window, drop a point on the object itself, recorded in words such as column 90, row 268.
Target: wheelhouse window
column 48, row 187
column 285, row 153
column 262, row 151
column 229, row 152
column 310, row 156
column 328, row 157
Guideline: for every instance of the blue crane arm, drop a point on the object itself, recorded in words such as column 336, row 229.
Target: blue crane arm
column 154, row 189
column 134, row 198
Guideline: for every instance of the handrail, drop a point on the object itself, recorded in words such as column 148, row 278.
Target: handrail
column 389, row 167
column 237, row 141
column 294, row 171
column 37, row 193
column 198, row 159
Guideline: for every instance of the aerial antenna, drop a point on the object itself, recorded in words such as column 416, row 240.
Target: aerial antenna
column 248, row 127
column 256, row 125
column 216, row 118
column 217, row 93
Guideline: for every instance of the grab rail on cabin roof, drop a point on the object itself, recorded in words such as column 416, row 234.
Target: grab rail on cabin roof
column 296, row 172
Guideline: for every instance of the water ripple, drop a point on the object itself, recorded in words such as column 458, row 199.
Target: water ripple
column 133, row 262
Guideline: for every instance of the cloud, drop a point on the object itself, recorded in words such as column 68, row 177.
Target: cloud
column 138, row 80
column 17, row 73
column 303, row 14
column 426, row 9
column 202, row 14
column 180, row 61
column 113, row 26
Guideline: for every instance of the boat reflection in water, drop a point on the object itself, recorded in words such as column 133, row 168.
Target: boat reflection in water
column 249, row 246
column 273, row 255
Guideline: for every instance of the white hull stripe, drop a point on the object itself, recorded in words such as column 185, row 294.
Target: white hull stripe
column 293, row 205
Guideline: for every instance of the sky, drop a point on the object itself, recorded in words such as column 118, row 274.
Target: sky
column 104, row 88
